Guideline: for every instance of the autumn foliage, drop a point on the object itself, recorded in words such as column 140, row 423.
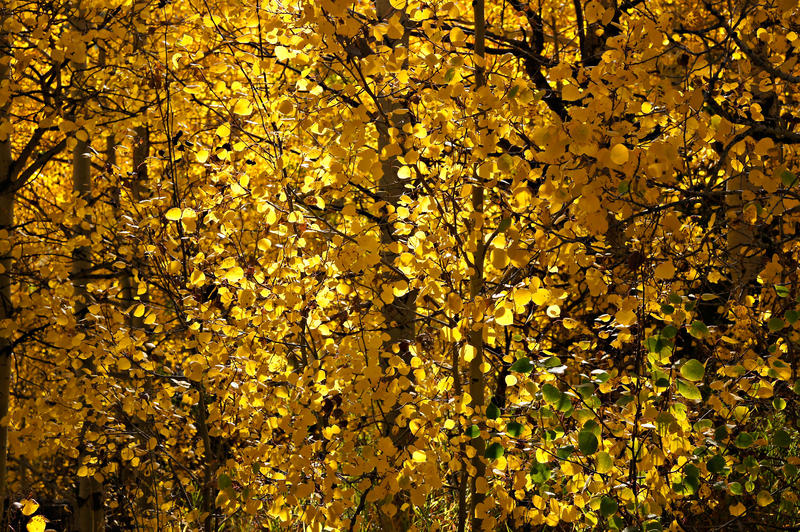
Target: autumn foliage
column 400, row 264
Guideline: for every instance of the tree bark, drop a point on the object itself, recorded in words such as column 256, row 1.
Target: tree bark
column 477, row 382
column 399, row 315
column 6, row 308
column 90, row 490
column 743, row 255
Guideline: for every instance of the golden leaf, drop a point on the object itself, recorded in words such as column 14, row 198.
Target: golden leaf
column 29, row 506
column 619, row 154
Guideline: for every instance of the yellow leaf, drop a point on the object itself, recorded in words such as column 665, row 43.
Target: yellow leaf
column 737, row 509
column 174, row 214
column 234, row 274
column 198, row 277
column 454, row 303
column 764, row 498
column 202, row 156
column 469, row 353
column 571, row 93
column 665, row 270
column 626, row 317
column 522, row 296
column 29, row 506
column 286, row 107
column 242, row 107
column 619, row 154
column 150, row 319
column 503, row 316
column 37, row 524
column 541, row 296
column 554, row 311
column 138, row 311
column 83, row 471
column 419, row 456
column 457, row 35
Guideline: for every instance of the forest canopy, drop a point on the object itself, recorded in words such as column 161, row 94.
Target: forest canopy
column 399, row 265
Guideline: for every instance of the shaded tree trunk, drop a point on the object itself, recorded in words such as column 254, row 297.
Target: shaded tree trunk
column 6, row 309
column 477, row 381
column 399, row 315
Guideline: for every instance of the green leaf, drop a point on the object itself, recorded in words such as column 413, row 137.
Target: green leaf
column 608, row 506
column 624, row 187
column 653, row 526
column 514, row 429
column 775, row 324
column 473, row 431
column 587, row 442
column 735, row 488
column 692, row 484
column 689, row 390
column 624, row 399
column 564, row 452
column 654, row 344
column 551, row 394
column 523, row 365
column 788, row 178
column 504, row 224
column 782, row 439
column 782, row 290
column 586, row 389
column 693, row 370
column 778, row 403
column 494, row 451
column 540, row 473
column 551, row 362
column 744, row 440
column 492, row 411
column 791, row 316
column 675, row 299
column 660, row 378
column 698, row 329
column 604, row 462
column 669, row 332
column 224, row 481
column 592, row 426
column 796, row 387
column 716, row 464
column 667, row 309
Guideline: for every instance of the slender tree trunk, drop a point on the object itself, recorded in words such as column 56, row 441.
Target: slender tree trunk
column 399, row 315
column 477, row 381
column 6, row 309
column 6, row 312
column 744, row 259
column 90, row 490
